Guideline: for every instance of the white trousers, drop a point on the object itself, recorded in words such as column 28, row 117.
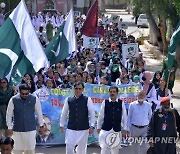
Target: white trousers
column 76, row 138
column 24, row 141
column 105, row 149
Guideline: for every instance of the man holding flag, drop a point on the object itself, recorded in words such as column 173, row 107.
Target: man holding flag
column 170, row 64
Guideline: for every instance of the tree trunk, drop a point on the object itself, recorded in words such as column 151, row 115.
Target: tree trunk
column 102, row 5
column 153, row 39
column 147, row 9
column 163, row 30
column 155, row 30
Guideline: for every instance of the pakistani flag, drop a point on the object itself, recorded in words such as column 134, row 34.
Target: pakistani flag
column 175, row 40
column 63, row 43
column 20, row 48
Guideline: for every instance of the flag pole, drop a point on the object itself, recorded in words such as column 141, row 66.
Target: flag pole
column 169, row 74
column 97, row 53
column 167, row 83
column 97, row 49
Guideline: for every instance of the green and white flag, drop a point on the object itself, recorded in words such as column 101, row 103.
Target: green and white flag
column 19, row 44
column 63, row 43
column 175, row 40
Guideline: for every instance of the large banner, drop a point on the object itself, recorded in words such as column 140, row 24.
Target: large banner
column 52, row 102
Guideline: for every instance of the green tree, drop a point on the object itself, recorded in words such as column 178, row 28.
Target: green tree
column 176, row 3
column 164, row 10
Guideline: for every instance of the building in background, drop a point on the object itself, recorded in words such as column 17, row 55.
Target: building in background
column 35, row 6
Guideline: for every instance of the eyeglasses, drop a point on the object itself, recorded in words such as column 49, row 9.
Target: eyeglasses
column 24, row 94
column 78, row 88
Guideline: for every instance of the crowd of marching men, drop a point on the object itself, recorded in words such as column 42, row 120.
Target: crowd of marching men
column 104, row 65
column 111, row 68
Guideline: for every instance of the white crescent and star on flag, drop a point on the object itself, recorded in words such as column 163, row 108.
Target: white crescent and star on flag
column 12, row 56
column 56, row 53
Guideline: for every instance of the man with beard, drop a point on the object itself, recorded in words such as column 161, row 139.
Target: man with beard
column 112, row 113
column 163, row 128
column 45, row 136
column 21, row 122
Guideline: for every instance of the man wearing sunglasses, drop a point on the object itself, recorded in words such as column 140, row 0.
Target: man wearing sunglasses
column 163, row 128
column 80, row 111
column 22, row 108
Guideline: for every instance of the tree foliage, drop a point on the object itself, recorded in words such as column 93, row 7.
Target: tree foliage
column 167, row 9
column 164, row 10
column 176, row 3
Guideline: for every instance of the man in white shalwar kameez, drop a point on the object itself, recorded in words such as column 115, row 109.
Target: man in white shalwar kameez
column 22, row 107
column 39, row 20
column 112, row 115
column 79, row 108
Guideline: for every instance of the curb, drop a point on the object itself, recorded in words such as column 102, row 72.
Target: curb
column 154, row 50
column 158, row 54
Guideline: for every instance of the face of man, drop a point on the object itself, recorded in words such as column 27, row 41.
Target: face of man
column 47, row 126
column 78, row 90
column 113, row 94
column 24, row 94
column 6, row 149
column 166, row 106
column 141, row 97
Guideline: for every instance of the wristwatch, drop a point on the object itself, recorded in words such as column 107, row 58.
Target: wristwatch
column 42, row 126
column 92, row 127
